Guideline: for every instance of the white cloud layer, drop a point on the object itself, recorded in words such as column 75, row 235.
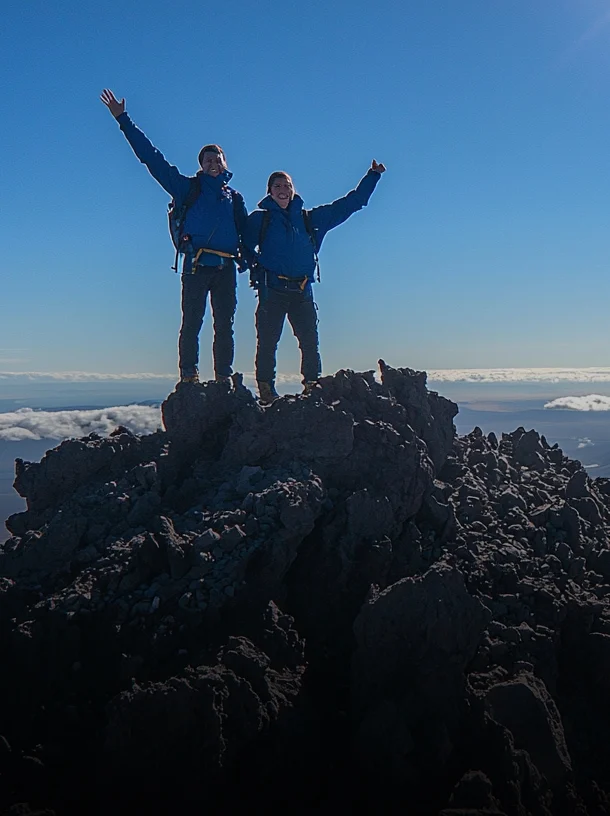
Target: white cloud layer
column 27, row 423
column 93, row 377
column 78, row 376
column 473, row 375
column 590, row 402
column 514, row 375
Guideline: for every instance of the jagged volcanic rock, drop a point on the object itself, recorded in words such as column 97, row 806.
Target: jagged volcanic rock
column 331, row 603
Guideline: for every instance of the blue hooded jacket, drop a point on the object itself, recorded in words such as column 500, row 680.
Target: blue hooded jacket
column 287, row 248
column 211, row 220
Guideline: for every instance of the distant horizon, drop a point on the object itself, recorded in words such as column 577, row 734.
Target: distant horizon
column 585, row 388
column 63, row 405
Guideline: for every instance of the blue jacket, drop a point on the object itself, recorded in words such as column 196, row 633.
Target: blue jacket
column 211, row 220
column 287, row 248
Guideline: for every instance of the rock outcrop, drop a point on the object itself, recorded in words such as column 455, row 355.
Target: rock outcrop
column 328, row 603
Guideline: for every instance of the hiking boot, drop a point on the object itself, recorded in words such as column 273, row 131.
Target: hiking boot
column 267, row 393
column 309, row 386
column 224, row 378
column 190, row 375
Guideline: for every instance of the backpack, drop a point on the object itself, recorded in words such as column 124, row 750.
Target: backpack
column 176, row 216
column 310, row 231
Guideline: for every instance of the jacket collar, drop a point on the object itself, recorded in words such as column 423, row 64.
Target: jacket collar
column 295, row 206
column 216, row 182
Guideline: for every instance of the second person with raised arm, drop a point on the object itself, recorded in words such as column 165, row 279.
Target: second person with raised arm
column 286, row 239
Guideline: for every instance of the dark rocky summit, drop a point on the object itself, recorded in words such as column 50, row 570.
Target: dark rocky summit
column 331, row 604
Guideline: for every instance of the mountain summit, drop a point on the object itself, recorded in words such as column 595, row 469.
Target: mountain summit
column 328, row 603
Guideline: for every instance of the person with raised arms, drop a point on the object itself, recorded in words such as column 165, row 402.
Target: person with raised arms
column 285, row 240
column 207, row 220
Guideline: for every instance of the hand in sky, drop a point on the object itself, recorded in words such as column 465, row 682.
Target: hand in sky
column 379, row 168
column 115, row 107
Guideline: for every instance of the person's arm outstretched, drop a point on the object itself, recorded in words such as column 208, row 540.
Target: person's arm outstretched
column 328, row 216
column 168, row 176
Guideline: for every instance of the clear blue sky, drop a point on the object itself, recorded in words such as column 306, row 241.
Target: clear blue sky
column 487, row 242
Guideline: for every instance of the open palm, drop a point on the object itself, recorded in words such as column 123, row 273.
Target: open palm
column 115, row 107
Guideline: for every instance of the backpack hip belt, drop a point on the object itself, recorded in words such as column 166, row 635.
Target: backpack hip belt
column 222, row 255
column 177, row 219
column 302, row 282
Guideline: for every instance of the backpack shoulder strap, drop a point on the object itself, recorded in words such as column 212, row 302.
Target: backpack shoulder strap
column 177, row 215
column 264, row 227
column 193, row 193
column 312, row 237
column 237, row 200
column 309, row 226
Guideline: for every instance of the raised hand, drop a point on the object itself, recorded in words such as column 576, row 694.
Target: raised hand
column 115, row 107
column 378, row 168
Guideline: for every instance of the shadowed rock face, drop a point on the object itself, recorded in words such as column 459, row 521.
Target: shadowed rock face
column 326, row 604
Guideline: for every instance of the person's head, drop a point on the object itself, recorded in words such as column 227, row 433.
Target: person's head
column 280, row 188
column 212, row 160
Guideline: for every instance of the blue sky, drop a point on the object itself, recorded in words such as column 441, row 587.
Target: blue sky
column 486, row 243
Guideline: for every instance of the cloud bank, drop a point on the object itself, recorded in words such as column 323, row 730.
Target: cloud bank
column 472, row 375
column 78, row 376
column 520, row 375
column 93, row 377
column 27, row 423
column 590, row 402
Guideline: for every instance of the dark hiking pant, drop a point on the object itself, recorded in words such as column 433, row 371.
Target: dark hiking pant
column 221, row 284
column 273, row 308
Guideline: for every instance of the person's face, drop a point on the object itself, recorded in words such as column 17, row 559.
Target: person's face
column 212, row 163
column 282, row 191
